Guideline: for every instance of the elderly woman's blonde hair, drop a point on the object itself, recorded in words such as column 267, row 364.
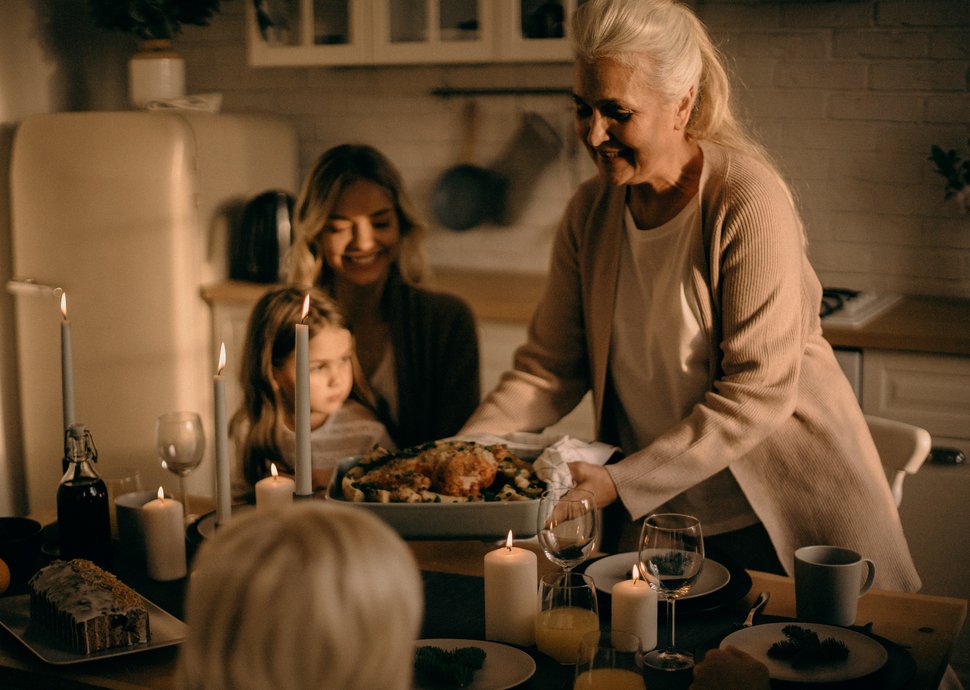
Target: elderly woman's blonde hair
column 333, row 172
column 311, row 596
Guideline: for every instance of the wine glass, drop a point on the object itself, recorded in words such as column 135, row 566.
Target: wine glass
column 180, row 442
column 671, row 557
column 567, row 525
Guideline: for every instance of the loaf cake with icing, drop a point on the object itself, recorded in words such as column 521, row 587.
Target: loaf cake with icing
column 86, row 607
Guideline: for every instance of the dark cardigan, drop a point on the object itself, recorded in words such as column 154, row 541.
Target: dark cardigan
column 436, row 362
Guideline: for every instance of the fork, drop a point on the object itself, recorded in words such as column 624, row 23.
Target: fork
column 759, row 603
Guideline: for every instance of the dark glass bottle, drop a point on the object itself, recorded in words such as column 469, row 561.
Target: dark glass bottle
column 83, row 525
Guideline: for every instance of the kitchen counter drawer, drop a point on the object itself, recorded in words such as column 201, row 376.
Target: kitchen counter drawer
column 929, row 390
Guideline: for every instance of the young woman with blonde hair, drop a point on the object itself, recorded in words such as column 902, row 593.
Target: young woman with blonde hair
column 358, row 238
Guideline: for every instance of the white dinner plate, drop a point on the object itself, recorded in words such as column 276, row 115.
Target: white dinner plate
column 609, row 570
column 504, row 667
column 866, row 655
column 166, row 630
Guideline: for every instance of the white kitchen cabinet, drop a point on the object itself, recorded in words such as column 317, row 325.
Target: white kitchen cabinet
column 932, row 391
column 393, row 32
column 926, row 389
column 310, row 32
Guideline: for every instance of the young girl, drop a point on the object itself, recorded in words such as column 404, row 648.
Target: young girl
column 342, row 420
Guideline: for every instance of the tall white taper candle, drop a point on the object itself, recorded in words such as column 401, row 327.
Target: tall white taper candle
column 67, row 367
column 223, row 489
column 304, row 482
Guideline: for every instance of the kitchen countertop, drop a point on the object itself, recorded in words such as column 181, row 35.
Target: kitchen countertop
column 937, row 325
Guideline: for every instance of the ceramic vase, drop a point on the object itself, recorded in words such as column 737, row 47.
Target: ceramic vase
column 155, row 72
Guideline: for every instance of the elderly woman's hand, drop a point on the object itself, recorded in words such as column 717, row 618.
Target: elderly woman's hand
column 595, row 479
column 730, row 669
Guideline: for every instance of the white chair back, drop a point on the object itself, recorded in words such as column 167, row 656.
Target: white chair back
column 902, row 448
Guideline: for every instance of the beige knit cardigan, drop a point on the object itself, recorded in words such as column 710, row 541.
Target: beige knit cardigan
column 779, row 413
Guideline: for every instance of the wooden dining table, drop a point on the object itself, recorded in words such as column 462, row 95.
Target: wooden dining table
column 924, row 626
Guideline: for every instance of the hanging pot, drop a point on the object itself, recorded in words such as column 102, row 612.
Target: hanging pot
column 468, row 194
column 155, row 72
column 534, row 146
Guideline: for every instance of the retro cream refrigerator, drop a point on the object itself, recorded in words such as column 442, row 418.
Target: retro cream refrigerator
column 129, row 213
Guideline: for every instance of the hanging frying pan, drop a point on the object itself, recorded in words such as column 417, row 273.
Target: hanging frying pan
column 468, row 194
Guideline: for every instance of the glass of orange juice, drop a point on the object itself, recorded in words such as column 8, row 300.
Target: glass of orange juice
column 609, row 659
column 567, row 611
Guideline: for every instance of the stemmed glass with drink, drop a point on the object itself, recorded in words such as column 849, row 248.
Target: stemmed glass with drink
column 671, row 557
column 567, row 601
column 180, row 442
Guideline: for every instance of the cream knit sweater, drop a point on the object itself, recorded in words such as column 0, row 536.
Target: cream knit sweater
column 779, row 412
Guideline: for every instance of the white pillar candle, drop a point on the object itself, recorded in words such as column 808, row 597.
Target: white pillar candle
column 67, row 367
column 274, row 491
column 223, row 489
column 511, row 594
column 634, row 605
column 304, row 482
column 164, row 538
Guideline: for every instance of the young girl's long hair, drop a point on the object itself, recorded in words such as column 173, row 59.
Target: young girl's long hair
column 270, row 339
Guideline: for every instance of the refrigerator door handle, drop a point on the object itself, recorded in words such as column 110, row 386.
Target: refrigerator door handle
column 18, row 285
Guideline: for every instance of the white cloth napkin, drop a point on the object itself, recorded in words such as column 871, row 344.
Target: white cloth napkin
column 208, row 102
column 554, row 452
column 552, row 465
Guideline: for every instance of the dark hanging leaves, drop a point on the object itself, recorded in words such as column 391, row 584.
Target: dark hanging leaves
column 152, row 19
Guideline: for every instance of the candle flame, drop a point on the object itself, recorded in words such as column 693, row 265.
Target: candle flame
column 164, row 465
column 273, row 471
column 508, row 541
column 64, row 305
column 161, row 494
column 636, row 573
column 222, row 359
column 306, row 307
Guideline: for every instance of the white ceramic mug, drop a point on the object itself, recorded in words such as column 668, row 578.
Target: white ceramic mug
column 828, row 583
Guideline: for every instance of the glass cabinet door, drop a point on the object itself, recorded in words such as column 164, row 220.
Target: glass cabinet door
column 309, row 32
column 537, row 30
column 433, row 31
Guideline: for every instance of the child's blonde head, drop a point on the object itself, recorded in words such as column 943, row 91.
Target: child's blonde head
column 313, row 596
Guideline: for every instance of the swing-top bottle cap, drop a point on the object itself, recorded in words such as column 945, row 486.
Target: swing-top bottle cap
column 78, row 443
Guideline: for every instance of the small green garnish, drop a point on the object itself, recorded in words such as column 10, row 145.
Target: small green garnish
column 802, row 647
column 454, row 668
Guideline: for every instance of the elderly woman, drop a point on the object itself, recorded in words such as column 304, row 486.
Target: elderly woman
column 680, row 292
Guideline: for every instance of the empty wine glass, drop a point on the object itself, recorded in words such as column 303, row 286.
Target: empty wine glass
column 671, row 557
column 567, row 525
column 180, row 442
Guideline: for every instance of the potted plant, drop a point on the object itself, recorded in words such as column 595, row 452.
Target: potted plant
column 957, row 174
column 156, row 71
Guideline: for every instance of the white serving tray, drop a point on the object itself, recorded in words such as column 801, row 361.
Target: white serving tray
column 166, row 630
column 486, row 520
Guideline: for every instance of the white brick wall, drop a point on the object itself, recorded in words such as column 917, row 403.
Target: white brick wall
column 849, row 97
